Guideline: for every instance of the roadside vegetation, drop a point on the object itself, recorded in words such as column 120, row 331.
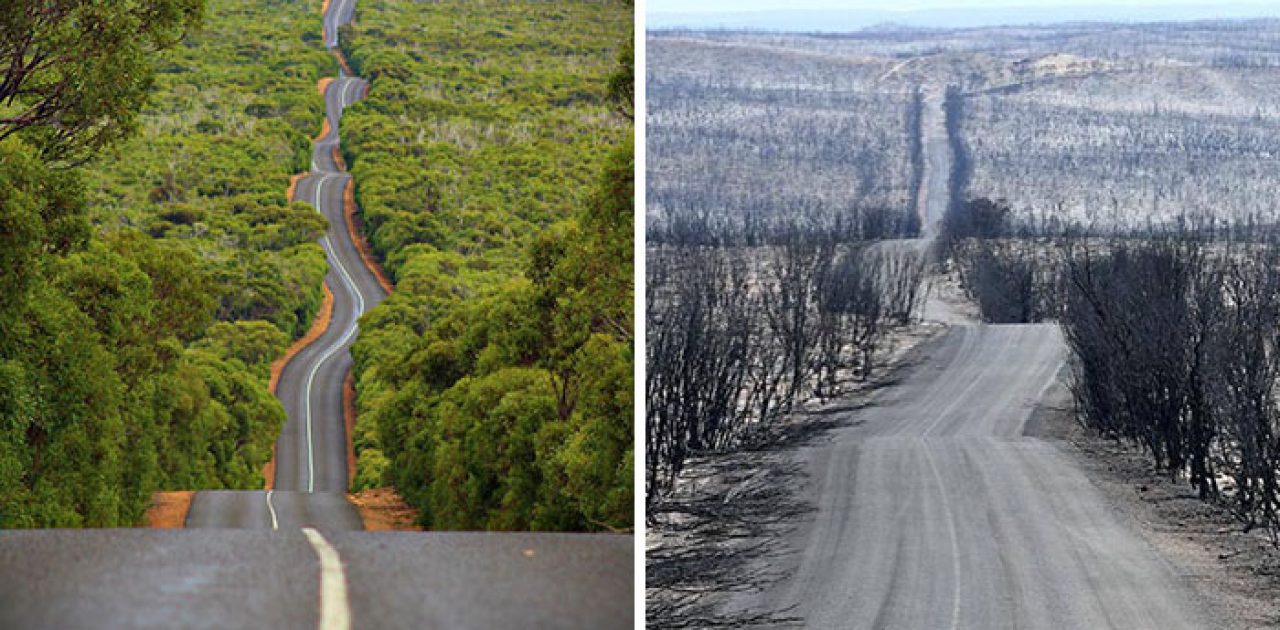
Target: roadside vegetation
column 152, row 264
column 775, row 113
column 778, row 270
column 740, row 337
column 493, row 168
column 1130, row 177
column 1173, row 333
column 766, row 283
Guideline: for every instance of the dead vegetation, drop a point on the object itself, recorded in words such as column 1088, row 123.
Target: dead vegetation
column 716, row 533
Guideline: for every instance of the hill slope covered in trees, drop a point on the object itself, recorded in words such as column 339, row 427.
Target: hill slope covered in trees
column 494, row 176
column 148, row 283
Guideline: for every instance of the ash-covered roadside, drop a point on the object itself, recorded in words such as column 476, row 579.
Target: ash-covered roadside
column 723, row 524
column 1235, row 573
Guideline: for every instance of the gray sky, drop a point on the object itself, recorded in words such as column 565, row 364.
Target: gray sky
column 838, row 15
column 744, row 6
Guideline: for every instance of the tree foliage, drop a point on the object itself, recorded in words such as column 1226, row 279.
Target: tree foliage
column 494, row 176
column 146, row 291
column 78, row 71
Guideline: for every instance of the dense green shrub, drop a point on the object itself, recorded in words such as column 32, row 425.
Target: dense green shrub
column 146, row 292
column 495, row 383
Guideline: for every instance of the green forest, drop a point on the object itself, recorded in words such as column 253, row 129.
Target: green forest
column 493, row 168
column 152, row 265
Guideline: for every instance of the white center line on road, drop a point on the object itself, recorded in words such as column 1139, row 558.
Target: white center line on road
column 332, row 350
column 335, row 609
column 275, row 524
column 332, row 18
column 335, row 17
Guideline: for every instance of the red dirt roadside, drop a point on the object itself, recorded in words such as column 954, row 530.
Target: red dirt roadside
column 318, row 326
column 357, row 237
column 349, row 419
column 169, row 509
column 383, row 509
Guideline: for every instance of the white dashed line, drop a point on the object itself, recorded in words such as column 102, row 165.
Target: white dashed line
column 275, row 524
column 332, row 350
column 335, row 609
column 343, row 85
column 346, row 88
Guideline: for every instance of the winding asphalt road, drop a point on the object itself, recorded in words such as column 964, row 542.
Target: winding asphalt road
column 934, row 510
column 311, row 452
column 287, row 558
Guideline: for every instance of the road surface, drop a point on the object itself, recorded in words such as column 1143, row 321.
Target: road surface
column 934, row 511
column 311, row 452
column 936, row 178
column 288, row 557
column 239, row 578
column 932, row 201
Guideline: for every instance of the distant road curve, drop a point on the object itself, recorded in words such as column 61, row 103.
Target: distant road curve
column 311, row 453
column 287, row 557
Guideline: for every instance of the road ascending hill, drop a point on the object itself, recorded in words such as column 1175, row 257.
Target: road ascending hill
column 934, row 511
column 311, row 453
column 282, row 558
